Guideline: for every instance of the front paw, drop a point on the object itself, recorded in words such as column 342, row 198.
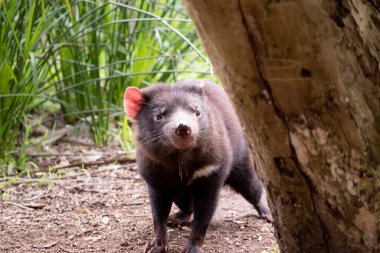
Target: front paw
column 263, row 209
column 156, row 246
column 264, row 213
column 191, row 248
column 267, row 216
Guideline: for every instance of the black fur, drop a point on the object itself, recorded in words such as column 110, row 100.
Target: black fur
column 217, row 140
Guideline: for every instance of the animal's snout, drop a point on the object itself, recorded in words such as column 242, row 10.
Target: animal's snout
column 183, row 130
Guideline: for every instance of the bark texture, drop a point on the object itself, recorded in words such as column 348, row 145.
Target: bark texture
column 305, row 77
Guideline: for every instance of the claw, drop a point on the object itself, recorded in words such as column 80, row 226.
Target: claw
column 156, row 247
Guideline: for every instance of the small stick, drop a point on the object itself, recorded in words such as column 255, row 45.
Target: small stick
column 122, row 160
column 52, row 179
column 19, row 205
column 133, row 203
column 64, row 154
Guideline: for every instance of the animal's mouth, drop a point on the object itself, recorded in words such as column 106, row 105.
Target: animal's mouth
column 183, row 143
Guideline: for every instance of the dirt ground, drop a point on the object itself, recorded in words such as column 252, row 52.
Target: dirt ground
column 103, row 207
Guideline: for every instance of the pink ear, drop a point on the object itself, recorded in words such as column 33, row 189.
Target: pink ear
column 133, row 100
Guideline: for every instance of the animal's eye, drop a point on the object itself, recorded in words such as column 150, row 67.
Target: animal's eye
column 196, row 111
column 159, row 117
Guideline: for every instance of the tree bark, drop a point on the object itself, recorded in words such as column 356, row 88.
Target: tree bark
column 305, row 77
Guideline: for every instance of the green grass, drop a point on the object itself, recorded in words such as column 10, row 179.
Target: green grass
column 19, row 72
column 81, row 55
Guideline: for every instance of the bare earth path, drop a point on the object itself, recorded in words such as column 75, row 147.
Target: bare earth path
column 106, row 209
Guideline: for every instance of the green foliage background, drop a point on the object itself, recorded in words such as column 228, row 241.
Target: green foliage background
column 77, row 57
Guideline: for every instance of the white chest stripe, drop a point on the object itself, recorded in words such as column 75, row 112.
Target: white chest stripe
column 204, row 172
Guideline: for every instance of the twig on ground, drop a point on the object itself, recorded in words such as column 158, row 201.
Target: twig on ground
column 19, row 205
column 83, row 165
column 122, row 160
column 52, row 179
column 78, row 142
column 61, row 154
column 134, row 203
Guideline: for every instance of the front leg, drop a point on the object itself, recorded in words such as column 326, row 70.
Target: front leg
column 160, row 202
column 206, row 193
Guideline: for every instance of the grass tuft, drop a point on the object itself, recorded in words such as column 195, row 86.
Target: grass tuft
column 81, row 55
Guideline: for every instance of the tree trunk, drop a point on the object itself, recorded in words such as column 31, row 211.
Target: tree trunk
column 305, row 77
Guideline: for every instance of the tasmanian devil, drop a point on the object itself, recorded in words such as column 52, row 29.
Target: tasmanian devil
column 189, row 143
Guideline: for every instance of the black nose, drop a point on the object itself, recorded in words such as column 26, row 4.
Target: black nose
column 183, row 130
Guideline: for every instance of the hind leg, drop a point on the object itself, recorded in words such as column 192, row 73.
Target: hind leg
column 182, row 217
column 243, row 179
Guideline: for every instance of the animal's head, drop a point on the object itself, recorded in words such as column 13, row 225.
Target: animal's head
column 168, row 117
